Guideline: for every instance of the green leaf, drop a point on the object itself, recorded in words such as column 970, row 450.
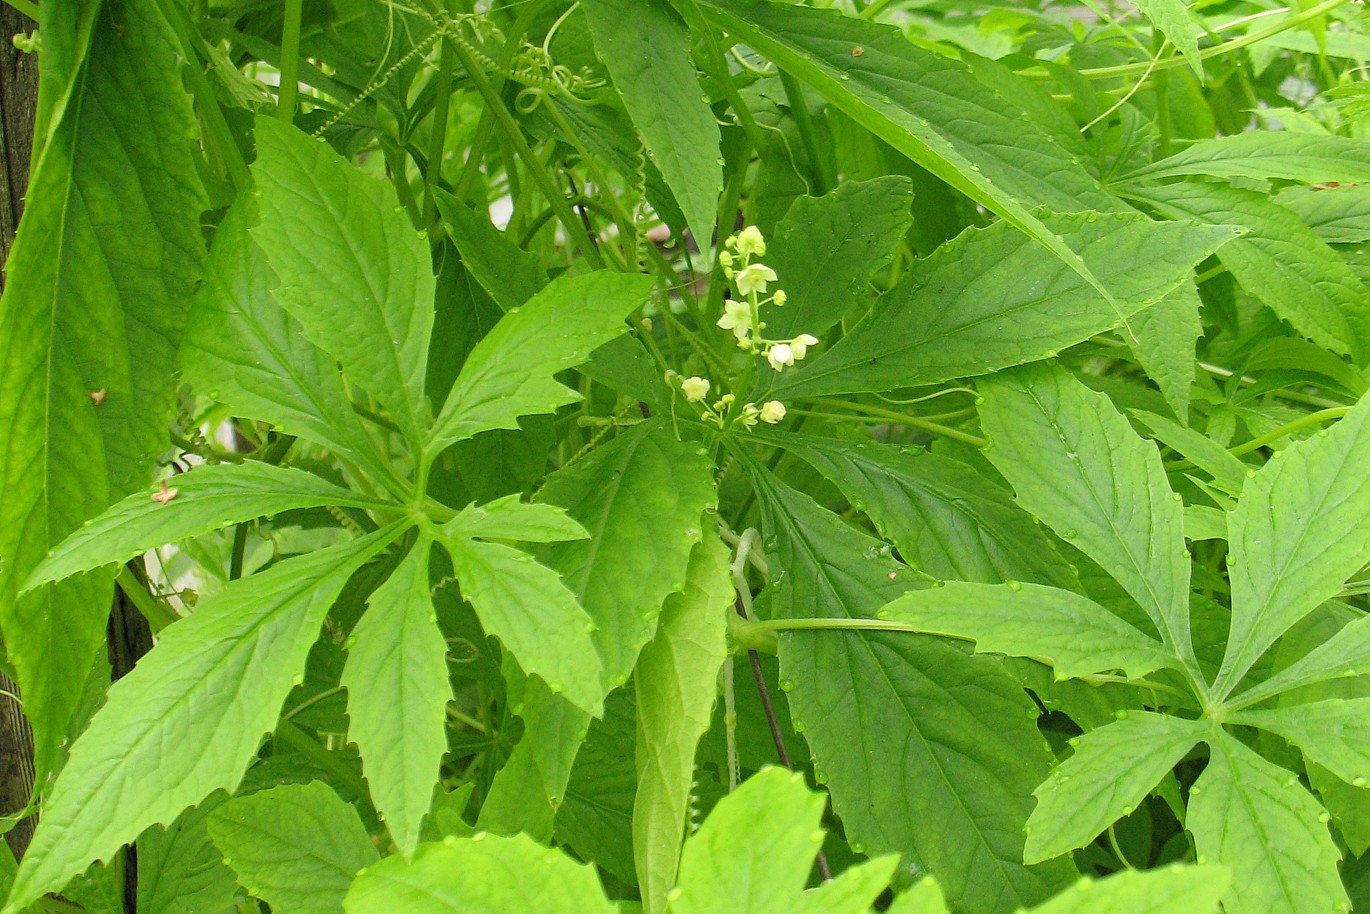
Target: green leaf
column 947, row 519
column 930, row 108
column 97, row 286
column 510, row 372
column 207, row 498
column 904, row 729
column 1346, row 655
column 244, row 349
column 1170, row 890
column 353, row 271
column 483, row 874
column 508, row 273
column 826, row 248
column 189, row 718
column 992, row 298
column 646, row 48
column 1227, row 471
column 754, row 852
column 1111, row 772
column 180, row 869
column 1255, row 818
column 595, row 817
column 1280, row 261
column 676, row 680
column 1072, row 634
column 1173, row 19
column 511, row 519
column 533, row 614
column 1076, row 464
column 1300, row 530
column 1333, row 733
column 924, row 898
column 1264, row 154
column 397, row 694
column 1338, row 215
column 853, row 891
column 1166, row 334
column 297, row 847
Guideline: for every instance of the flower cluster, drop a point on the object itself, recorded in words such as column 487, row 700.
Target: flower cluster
column 696, row 390
column 742, row 315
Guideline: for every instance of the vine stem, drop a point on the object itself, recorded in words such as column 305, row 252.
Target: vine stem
column 290, row 61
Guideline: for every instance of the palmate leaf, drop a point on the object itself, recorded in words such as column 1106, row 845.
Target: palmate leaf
column 1280, row 261
column 180, row 869
column 928, row 107
column 1346, row 655
column 1300, row 530
column 947, row 519
column 1076, row 464
column 189, row 718
column 511, row 519
column 1173, row 19
column 595, row 819
column 906, row 730
column 242, row 348
column 676, row 680
column 641, row 498
column 397, row 694
column 1169, row 890
column 1334, row 733
column 1264, row 154
column 1072, row 634
column 1166, row 334
column 1113, row 769
column 826, row 248
column 1256, row 819
column 992, row 298
column 97, row 287
column 646, row 48
column 296, row 847
column 207, row 498
column 483, row 874
column 509, row 373
column 352, row 270
column 754, row 853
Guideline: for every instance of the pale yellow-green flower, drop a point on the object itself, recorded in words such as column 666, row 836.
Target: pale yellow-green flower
column 772, row 411
column 753, row 278
column 781, row 355
column 750, row 243
column 695, row 389
column 737, row 317
column 801, row 344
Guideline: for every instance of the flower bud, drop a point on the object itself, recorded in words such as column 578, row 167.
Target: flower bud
column 772, row 411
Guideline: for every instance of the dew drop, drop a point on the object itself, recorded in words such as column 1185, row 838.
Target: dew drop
column 787, row 685
column 1014, row 586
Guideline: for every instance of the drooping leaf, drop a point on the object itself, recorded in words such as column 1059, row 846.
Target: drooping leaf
column 1334, row 733
column 1280, row 261
column 1169, row 890
column 533, row 613
column 1072, row 634
column 206, row 498
column 904, row 729
column 1165, row 341
column 297, row 847
column 992, row 298
column 510, row 372
column 483, row 874
column 397, row 694
column 352, row 270
column 676, row 679
column 189, row 718
column 946, row 519
column 754, row 852
column 1301, row 529
column 97, row 287
column 243, row 348
column 1113, row 769
column 1076, row 464
column 512, row 519
column 1265, row 154
column 646, row 48
column 1256, row 819
column 930, row 108
column 825, row 249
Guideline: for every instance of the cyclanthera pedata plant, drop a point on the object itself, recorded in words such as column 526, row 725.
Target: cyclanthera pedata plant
column 526, row 429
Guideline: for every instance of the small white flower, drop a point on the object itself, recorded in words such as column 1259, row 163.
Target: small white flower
column 780, row 355
column 801, row 344
column 779, row 298
column 737, row 317
column 695, row 389
column 754, row 277
column 750, row 242
column 725, row 259
column 772, row 411
column 749, row 414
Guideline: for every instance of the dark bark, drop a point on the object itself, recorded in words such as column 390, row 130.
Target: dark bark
column 129, row 637
column 18, row 100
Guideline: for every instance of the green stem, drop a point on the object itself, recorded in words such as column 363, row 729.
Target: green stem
column 25, row 7
column 308, row 746
column 437, row 142
column 158, row 615
column 1261, row 441
column 890, row 415
column 514, row 137
column 799, row 110
column 290, row 61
